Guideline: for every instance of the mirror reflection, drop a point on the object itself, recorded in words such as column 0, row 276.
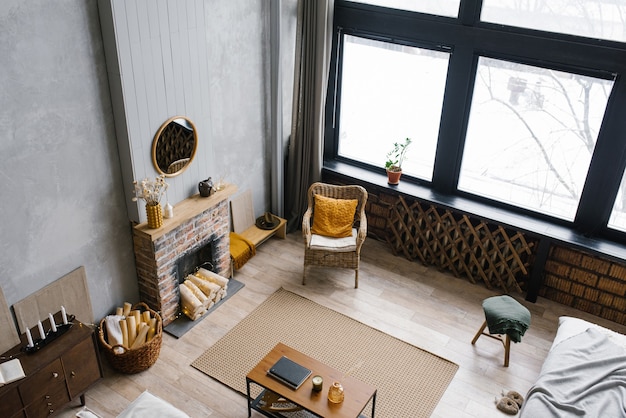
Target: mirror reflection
column 174, row 146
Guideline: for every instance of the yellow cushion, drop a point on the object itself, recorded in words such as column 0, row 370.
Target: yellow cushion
column 333, row 217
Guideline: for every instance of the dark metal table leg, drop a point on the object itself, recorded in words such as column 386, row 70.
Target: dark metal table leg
column 248, row 398
column 374, row 404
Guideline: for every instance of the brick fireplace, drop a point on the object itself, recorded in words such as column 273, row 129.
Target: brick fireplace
column 198, row 222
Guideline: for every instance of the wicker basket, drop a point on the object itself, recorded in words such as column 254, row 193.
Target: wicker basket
column 138, row 359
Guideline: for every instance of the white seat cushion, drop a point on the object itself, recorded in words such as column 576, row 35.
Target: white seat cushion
column 320, row 242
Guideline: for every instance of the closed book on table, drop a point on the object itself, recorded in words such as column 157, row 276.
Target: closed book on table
column 289, row 372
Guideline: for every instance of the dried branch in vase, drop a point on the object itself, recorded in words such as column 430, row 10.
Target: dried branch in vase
column 150, row 191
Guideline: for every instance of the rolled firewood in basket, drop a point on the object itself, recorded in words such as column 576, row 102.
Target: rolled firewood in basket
column 124, row 327
column 141, row 335
column 145, row 316
column 132, row 329
column 213, row 277
column 137, row 314
column 151, row 330
column 119, row 311
column 127, row 308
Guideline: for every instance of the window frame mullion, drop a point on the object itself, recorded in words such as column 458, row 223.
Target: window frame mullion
column 469, row 12
column 607, row 167
column 454, row 118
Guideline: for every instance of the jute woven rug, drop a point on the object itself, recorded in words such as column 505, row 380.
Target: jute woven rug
column 410, row 381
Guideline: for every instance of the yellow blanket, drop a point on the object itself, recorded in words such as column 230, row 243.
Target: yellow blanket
column 241, row 250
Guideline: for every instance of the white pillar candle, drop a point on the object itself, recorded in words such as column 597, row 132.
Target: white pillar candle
column 64, row 315
column 29, row 337
column 41, row 333
column 53, row 326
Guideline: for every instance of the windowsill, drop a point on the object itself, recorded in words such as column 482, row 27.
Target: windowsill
column 499, row 216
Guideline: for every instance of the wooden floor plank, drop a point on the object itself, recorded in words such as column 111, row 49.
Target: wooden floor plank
column 423, row 306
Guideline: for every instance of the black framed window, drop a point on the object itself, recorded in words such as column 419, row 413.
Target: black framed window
column 600, row 19
column 618, row 214
column 440, row 7
column 520, row 114
column 531, row 134
column 403, row 99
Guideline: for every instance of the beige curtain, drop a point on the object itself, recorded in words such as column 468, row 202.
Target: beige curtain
column 312, row 61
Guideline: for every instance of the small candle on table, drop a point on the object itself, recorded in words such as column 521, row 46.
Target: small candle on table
column 53, row 326
column 29, row 337
column 318, row 382
column 64, row 315
column 41, row 333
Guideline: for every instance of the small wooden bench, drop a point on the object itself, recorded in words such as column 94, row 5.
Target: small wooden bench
column 258, row 236
column 244, row 221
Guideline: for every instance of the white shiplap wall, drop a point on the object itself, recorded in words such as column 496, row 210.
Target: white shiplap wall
column 156, row 52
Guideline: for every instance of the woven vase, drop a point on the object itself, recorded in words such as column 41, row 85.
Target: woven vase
column 155, row 216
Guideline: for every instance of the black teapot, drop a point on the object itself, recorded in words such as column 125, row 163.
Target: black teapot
column 205, row 187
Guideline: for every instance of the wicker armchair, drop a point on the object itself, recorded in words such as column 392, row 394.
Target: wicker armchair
column 335, row 252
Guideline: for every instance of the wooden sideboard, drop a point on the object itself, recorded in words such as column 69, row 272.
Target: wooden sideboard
column 57, row 374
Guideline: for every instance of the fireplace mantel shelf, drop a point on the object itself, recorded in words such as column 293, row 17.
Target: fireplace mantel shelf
column 186, row 210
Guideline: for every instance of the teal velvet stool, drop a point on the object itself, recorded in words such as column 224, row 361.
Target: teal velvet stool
column 507, row 320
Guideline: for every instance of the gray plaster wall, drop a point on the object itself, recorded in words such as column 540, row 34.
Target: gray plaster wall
column 238, row 36
column 63, row 194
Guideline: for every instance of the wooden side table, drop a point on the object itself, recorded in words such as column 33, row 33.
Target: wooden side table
column 55, row 375
column 357, row 394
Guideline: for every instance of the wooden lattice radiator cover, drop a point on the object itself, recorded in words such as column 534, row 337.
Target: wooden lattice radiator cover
column 463, row 245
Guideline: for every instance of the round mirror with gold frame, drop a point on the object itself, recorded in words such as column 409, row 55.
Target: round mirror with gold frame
column 174, row 146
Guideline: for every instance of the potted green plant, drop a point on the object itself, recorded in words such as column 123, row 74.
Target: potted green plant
column 395, row 157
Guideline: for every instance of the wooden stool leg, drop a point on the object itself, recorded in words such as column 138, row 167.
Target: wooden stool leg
column 507, row 350
column 480, row 332
column 304, row 275
column 356, row 278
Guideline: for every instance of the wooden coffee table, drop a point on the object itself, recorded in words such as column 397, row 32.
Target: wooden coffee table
column 357, row 393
